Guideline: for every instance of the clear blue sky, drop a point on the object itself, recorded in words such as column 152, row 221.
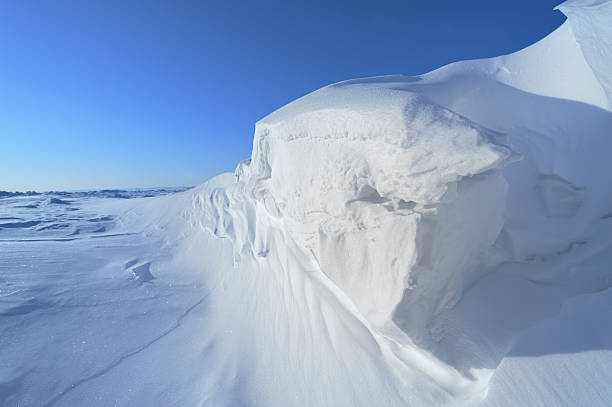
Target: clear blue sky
column 101, row 94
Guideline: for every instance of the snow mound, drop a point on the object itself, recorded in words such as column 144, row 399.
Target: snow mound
column 366, row 177
column 405, row 192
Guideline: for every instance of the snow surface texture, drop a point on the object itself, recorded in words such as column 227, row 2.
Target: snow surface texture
column 436, row 240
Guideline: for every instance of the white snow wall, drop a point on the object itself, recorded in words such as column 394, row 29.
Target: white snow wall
column 391, row 187
column 394, row 197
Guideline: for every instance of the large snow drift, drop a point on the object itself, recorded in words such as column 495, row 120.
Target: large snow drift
column 405, row 191
column 371, row 180
column 443, row 239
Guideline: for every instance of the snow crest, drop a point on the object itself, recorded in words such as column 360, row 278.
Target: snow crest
column 360, row 175
column 413, row 217
column 403, row 192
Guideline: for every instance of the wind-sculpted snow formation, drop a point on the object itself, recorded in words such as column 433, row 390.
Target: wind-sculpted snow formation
column 436, row 240
column 403, row 192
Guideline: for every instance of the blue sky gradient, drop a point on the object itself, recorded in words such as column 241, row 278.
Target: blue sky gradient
column 116, row 94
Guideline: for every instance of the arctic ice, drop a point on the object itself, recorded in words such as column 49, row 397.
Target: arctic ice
column 435, row 240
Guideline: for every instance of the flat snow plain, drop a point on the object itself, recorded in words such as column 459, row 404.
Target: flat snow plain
column 439, row 240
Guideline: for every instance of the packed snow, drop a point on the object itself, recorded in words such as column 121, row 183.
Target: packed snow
column 438, row 240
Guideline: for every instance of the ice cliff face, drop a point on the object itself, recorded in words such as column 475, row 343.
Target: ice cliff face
column 404, row 191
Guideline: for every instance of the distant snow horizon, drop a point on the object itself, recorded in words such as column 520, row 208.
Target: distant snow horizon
column 101, row 191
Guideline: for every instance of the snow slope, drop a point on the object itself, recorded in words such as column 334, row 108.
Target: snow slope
column 443, row 239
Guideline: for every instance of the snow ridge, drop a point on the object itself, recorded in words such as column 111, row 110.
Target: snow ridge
column 401, row 193
column 437, row 240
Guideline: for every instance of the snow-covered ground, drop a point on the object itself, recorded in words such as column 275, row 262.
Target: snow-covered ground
column 436, row 240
